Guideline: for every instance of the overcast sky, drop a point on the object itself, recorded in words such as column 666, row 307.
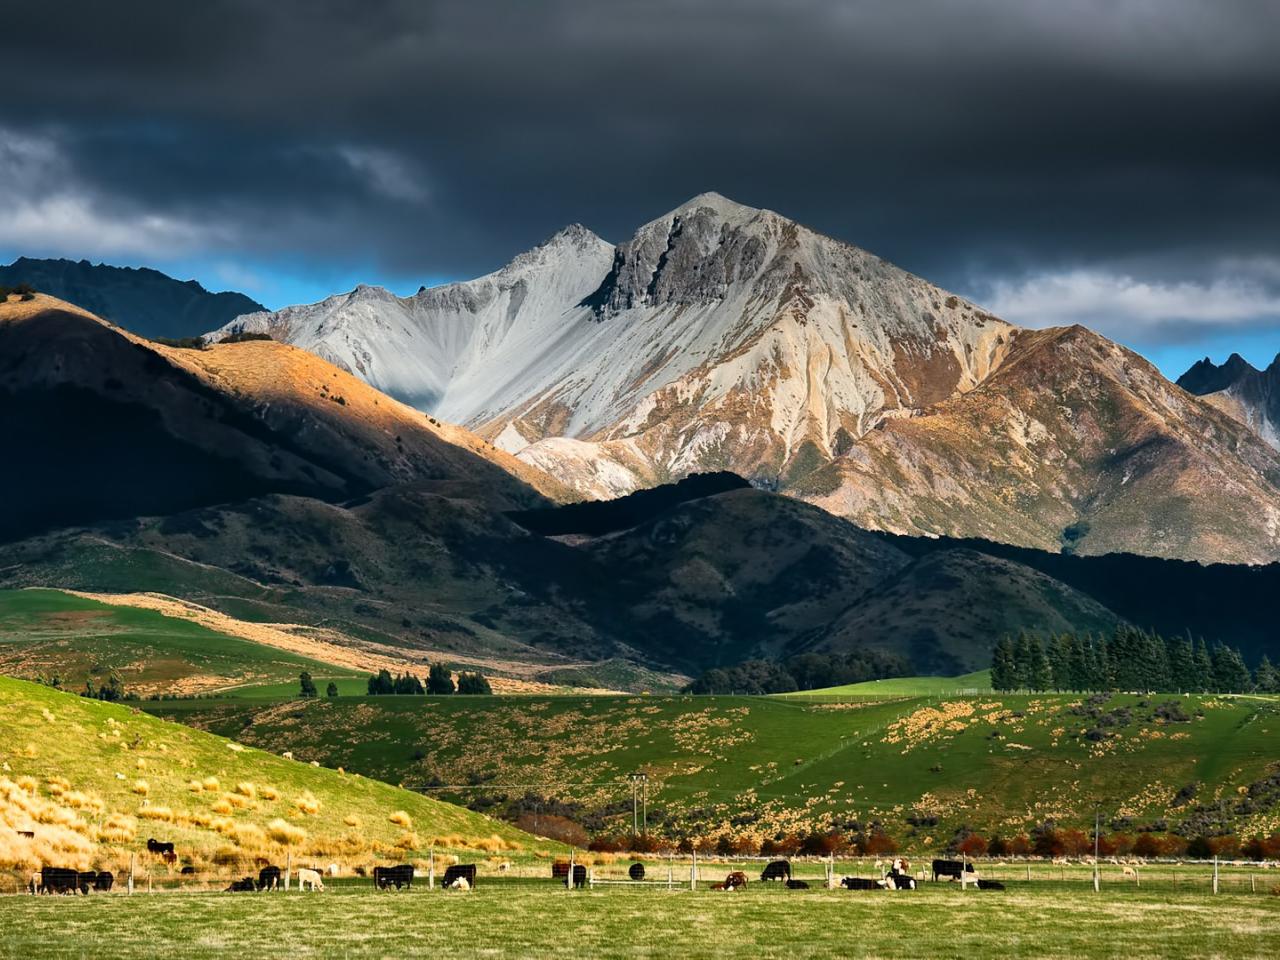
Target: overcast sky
column 1111, row 162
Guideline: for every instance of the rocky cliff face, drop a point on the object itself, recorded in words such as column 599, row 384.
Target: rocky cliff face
column 1240, row 390
column 722, row 337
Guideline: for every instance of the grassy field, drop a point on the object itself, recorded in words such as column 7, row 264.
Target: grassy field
column 94, row 780
column 768, row 766
column 979, row 682
column 76, row 638
column 511, row 920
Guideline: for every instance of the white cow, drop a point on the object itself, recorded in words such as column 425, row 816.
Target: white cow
column 309, row 876
column 460, row 884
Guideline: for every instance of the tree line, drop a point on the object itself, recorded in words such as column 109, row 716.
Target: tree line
column 23, row 290
column 440, row 682
column 804, row 671
column 1127, row 659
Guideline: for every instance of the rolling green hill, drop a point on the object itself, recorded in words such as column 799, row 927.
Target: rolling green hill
column 76, row 638
column 969, row 683
column 762, row 767
column 94, row 780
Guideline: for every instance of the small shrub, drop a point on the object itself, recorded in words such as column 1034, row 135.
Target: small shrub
column 401, row 819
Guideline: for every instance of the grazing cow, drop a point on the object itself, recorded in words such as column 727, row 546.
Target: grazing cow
column 399, row 876
column 331, row 870
column 308, row 877
column 950, row 868
column 504, row 866
column 269, row 878
column 776, row 870
column 796, row 884
column 735, row 880
column 59, row 880
column 1129, row 873
column 162, row 849
column 579, row 876
column 106, row 879
column 188, row 871
column 241, row 886
column 28, row 834
column 288, row 755
column 34, row 884
column 990, row 885
column 559, row 869
column 636, row 872
column 464, row 870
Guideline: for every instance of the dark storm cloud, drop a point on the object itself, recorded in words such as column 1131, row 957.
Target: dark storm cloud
column 967, row 141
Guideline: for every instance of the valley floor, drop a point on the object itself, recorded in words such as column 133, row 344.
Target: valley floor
column 520, row 920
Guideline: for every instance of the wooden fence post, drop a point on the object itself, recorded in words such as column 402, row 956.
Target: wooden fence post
column 288, row 868
column 431, row 869
column 569, row 879
column 131, row 874
column 693, row 871
column 671, row 870
column 1028, row 873
column 1215, row 873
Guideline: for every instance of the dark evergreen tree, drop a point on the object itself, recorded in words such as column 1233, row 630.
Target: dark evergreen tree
column 306, row 686
column 1203, row 668
column 1266, row 679
column 1004, row 669
column 439, row 680
column 1182, row 665
column 1060, row 658
column 473, row 683
column 1041, row 675
column 1229, row 672
column 331, row 690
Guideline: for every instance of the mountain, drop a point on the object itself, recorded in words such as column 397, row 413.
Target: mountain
column 144, row 301
column 101, row 424
column 1240, row 390
column 722, row 337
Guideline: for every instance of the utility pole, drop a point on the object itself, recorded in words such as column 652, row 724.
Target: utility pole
column 1097, row 826
column 639, row 789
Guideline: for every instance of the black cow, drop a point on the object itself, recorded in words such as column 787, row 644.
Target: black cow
column 29, row 834
column 467, row 871
column 579, row 875
column 188, row 871
column 59, row 880
column 400, row 876
column 950, row 868
column 990, row 885
column 900, row 881
column 163, row 850
column 777, row 870
column 559, row 869
column 241, row 886
column 269, row 878
column 636, row 872
column 796, row 884
column 861, row 883
column 106, row 879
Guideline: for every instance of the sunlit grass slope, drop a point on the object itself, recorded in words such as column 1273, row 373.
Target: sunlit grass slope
column 94, row 780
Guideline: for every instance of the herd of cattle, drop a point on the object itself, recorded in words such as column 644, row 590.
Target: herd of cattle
column 462, row 876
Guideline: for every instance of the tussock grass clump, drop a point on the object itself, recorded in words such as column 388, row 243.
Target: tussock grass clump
column 79, row 800
column 238, row 801
column 163, row 814
column 307, row 803
column 246, row 789
column 401, row 819
column 285, row 833
column 141, row 787
column 249, row 835
column 212, row 785
column 408, row 841
column 269, row 793
column 222, row 805
column 118, row 828
column 351, row 820
column 28, row 784
column 57, row 786
column 195, row 786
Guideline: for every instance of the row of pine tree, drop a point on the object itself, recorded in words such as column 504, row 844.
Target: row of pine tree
column 1128, row 659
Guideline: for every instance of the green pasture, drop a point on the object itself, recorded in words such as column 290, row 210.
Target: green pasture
column 525, row 920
